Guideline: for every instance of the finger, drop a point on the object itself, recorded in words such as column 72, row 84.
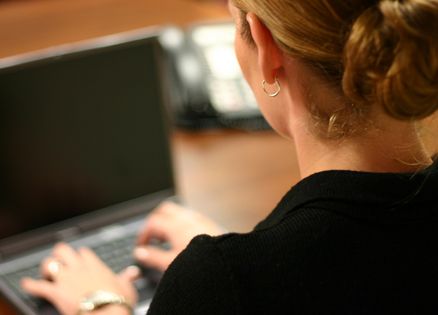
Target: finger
column 157, row 224
column 169, row 208
column 40, row 288
column 50, row 268
column 91, row 257
column 130, row 274
column 154, row 257
column 154, row 227
column 65, row 254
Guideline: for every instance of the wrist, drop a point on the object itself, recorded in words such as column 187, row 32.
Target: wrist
column 104, row 302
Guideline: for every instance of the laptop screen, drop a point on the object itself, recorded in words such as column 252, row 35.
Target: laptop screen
column 78, row 132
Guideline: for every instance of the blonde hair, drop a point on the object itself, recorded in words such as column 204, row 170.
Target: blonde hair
column 371, row 52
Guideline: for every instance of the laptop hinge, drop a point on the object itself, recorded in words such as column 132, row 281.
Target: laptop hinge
column 67, row 233
column 13, row 247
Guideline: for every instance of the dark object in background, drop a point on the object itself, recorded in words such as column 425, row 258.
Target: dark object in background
column 205, row 86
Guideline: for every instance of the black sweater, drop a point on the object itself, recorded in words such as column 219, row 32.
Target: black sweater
column 339, row 242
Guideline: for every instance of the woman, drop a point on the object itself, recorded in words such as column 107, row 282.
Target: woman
column 347, row 82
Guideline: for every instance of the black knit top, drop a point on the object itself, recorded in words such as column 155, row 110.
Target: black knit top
column 339, row 242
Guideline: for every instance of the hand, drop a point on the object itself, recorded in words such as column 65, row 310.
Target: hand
column 175, row 225
column 75, row 274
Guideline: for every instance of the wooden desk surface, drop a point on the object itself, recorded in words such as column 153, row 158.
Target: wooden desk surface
column 235, row 177
column 36, row 24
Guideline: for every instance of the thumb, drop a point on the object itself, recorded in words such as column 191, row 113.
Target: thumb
column 130, row 274
column 154, row 257
column 40, row 288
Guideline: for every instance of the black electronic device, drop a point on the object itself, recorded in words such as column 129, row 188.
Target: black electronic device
column 204, row 81
column 85, row 155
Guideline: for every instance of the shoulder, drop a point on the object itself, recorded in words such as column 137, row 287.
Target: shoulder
column 197, row 282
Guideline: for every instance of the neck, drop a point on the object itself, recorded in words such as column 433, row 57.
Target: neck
column 396, row 148
column 389, row 145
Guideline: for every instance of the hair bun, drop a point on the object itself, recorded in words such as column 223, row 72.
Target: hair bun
column 391, row 58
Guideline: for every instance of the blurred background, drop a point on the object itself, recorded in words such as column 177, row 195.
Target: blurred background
column 34, row 24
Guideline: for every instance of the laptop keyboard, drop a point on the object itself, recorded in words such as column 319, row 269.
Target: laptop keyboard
column 117, row 254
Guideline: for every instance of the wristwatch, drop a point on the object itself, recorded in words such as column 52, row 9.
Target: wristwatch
column 100, row 298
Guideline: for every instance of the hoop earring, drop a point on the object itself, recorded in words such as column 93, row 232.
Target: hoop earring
column 277, row 88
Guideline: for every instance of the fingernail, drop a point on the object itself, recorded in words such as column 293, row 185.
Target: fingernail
column 141, row 253
column 24, row 282
column 133, row 271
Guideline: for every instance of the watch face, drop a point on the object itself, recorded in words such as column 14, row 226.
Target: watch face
column 86, row 306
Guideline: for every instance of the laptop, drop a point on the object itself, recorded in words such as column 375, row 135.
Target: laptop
column 84, row 155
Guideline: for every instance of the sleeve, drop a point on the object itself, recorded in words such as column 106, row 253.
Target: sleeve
column 197, row 282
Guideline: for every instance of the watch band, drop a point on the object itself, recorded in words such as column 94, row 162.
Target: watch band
column 101, row 298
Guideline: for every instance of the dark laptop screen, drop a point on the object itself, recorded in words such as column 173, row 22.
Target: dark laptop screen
column 80, row 132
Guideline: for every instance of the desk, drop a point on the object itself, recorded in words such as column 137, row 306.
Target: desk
column 36, row 24
column 235, row 177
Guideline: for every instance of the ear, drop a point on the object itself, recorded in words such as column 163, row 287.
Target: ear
column 269, row 55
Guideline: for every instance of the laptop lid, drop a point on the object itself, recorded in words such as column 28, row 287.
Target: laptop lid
column 83, row 139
